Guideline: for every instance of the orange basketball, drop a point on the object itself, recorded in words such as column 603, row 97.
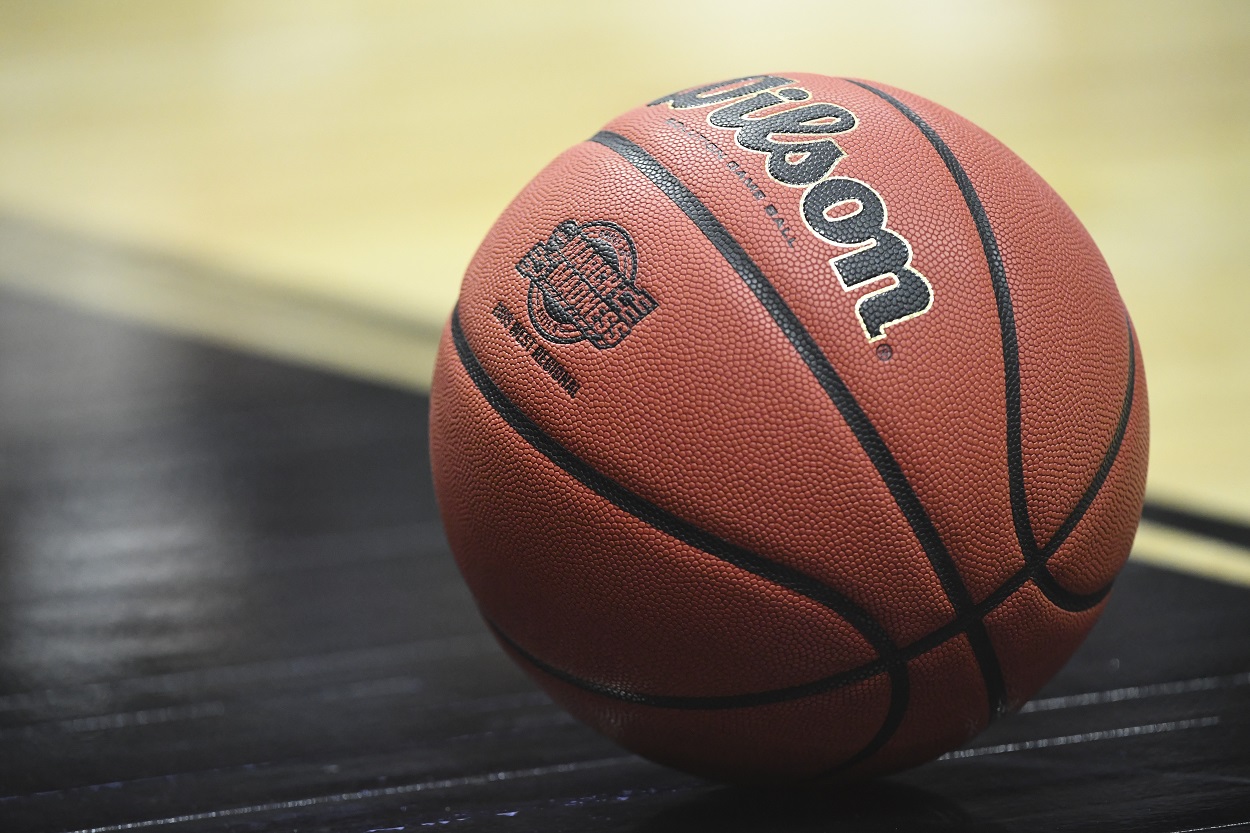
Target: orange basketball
column 790, row 427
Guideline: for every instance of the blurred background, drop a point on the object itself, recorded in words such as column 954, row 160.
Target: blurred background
column 309, row 179
column 223, row 581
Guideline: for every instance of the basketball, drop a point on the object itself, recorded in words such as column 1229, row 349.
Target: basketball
column 789, row 428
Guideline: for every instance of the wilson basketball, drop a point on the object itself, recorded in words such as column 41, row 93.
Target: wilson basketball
column 790, row 427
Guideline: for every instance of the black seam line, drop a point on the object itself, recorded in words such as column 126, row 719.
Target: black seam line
column 900, row 695
column 1032, row 552
column 866, row 671
column 1055, row 592
column 701, row 702
column 873, row 632
column 780, row 574
column 1065, row 599
column 1113, row 451
column 837, row 391
column 1006, row 317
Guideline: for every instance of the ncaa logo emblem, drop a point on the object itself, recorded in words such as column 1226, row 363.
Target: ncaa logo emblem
column 583, row 284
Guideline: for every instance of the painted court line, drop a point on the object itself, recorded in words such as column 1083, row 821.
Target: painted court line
column 188, row 297
column 121, row 720
column 1188, row 552
column 260, row 671
column 1137, row 692
column 1215, row 827
column 215, row 708
column 1085, row 737
column 357, row 795
column 600, row 763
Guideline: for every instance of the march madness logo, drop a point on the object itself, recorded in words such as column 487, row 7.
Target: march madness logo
column 582, row 284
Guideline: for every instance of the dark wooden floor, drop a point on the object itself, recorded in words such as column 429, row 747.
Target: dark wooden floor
column 226, row 604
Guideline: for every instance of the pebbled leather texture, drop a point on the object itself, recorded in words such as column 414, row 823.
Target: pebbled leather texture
column 720, row 519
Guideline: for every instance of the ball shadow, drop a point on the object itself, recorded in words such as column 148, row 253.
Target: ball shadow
column 875, row 806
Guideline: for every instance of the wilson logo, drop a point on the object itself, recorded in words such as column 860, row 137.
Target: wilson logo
column 766, row 115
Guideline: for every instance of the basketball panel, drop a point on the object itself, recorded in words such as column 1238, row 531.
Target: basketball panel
column 1099, row 544
column 598, row 593
column 704, row 408
column 1070, row 324
column 937, row 401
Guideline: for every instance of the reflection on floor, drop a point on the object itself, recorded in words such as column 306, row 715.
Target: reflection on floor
column 348, row 158
column 226, row 603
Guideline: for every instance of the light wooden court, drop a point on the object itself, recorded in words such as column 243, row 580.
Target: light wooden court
column 309, row 180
